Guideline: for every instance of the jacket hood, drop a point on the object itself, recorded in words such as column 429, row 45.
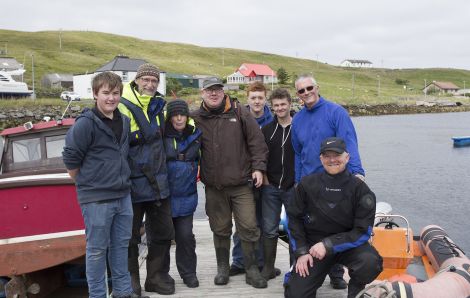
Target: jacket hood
column 266, row 118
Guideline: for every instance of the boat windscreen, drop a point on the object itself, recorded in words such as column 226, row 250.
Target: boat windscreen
column 54, row 146
column 26, row 150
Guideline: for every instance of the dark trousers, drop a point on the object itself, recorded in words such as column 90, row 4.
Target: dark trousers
column 159, row 230
column 363, row 262
column 185, row 253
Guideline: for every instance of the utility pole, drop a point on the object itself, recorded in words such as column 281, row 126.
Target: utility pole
column 33, row 96
column 464, row 91
column 223, row 57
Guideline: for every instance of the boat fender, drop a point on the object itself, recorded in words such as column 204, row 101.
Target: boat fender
column 440, row 248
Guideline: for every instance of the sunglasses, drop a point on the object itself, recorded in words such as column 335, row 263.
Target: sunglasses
column 302, row 91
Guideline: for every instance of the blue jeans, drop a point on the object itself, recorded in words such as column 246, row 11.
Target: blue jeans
column 108, row 226
column 272, row 200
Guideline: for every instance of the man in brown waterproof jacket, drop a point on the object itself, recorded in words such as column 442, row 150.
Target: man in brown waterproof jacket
column 233, row 159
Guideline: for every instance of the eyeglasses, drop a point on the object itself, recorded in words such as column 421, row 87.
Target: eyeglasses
column 147, row 80
column 302, row 91
column 216, row 90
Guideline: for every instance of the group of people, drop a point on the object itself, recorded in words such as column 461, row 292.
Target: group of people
column 130, row 158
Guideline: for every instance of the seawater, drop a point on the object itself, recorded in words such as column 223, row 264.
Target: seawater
column 411, row 163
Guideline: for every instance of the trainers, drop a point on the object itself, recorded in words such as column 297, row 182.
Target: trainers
column 338, row 284
column 235, row 270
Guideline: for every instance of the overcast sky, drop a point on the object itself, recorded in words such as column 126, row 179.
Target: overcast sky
column 391, row 34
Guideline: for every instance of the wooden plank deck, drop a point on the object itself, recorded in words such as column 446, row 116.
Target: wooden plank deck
column 207, row 269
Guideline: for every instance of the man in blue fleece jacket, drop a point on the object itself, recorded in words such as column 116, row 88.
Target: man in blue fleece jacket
column 318, row 120
column 95, row 155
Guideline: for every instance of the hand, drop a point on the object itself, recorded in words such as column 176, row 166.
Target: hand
column 318, row 251
column 302, row 264
column 265, row 180
column 257, row 178
column 360, row 176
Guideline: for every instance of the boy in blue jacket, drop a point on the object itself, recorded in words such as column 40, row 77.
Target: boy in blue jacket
column 95, row 155
column 182, row 144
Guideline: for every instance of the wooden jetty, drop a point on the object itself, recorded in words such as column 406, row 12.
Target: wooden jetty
column 207, row 269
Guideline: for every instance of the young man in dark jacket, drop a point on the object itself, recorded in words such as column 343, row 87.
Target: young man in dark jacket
column 233, row 154
column 278, row 183
column 330, row 221
column 95, row 155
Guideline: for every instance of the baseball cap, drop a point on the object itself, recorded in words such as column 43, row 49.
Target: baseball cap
column 212, row 82
column 333, row 144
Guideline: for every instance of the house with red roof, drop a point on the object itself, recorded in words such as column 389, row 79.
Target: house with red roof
column 249, row 72
column 441, row 88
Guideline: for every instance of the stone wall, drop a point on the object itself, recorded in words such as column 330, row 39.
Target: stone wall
column 19, row 116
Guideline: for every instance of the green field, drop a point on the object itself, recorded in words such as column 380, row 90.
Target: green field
column 85, row 51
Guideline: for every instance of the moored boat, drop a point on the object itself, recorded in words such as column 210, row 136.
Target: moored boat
column 429, row 265
column 41, row 221
column 424, row 266
column 461, row 141
column 9, row 88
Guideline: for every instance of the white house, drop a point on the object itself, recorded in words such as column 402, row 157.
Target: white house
column 248, row 72
column 236, row 78
column 123, row 66
column 355, row 63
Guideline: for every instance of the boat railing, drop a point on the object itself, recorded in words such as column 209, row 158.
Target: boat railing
column 388, row 220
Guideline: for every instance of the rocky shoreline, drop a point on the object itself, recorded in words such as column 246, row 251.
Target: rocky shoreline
column 18, row 116
column 393, row 109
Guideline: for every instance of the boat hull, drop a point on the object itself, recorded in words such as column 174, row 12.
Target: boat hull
column 451, row 266
column 461, row 141
column 42, row 224
column 30, row 256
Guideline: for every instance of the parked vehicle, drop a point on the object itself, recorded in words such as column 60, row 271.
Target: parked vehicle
column 69, row 95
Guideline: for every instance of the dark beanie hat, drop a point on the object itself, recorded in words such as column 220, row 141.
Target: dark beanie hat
column 177, row 107
column 147, row 69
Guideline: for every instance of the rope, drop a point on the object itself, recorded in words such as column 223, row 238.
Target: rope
column 384, row 291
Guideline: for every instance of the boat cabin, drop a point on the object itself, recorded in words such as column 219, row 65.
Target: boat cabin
column 33, row 148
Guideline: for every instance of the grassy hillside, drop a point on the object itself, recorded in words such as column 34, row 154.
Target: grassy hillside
column 84, row 51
